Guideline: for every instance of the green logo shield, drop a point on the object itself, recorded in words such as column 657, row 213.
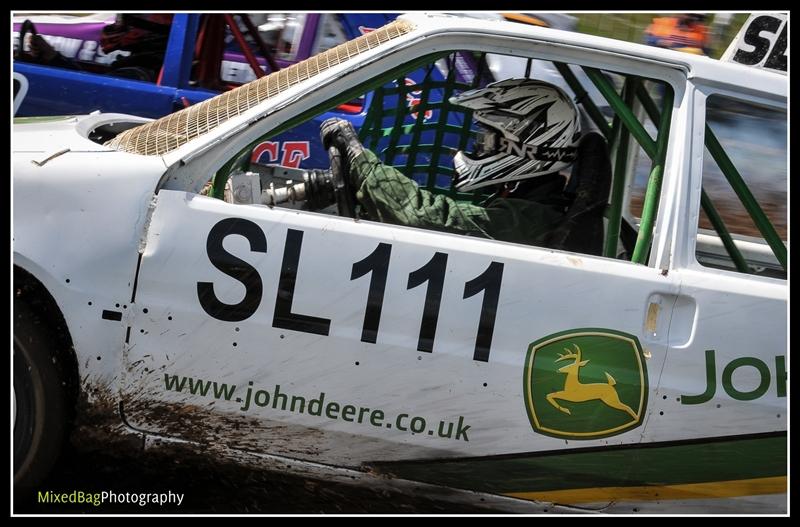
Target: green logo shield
column 585, row 383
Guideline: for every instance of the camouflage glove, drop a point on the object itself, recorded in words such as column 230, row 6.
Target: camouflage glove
column 341, row 134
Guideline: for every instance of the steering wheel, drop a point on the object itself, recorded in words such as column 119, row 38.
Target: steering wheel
column 340, row 176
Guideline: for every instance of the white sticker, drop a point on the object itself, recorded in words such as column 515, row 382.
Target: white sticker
column 761, row 43
column 20, row 90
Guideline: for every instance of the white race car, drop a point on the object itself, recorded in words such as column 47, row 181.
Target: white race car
column 164, row 283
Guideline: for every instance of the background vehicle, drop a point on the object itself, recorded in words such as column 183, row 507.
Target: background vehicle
column 238, row 325
column 204, row 55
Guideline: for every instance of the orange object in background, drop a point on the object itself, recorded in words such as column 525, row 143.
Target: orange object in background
column 687, row 33
column 525, row 19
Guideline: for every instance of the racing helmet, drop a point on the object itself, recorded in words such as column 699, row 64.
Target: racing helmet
column 527, row 128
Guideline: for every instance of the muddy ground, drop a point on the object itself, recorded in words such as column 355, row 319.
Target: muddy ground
column 211, row 487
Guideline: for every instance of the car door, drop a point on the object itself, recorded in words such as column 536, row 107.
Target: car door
column 312, row 336
column 725, row 378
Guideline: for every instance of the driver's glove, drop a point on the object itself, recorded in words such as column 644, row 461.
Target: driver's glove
column 341, row 134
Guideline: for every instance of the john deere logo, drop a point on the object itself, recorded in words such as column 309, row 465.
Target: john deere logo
column 585, row 384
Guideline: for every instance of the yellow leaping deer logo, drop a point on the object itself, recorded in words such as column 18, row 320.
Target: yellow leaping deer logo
column 577, row 392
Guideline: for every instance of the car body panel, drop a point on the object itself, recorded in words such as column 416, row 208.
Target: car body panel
column 88, row 270
column 368, row 375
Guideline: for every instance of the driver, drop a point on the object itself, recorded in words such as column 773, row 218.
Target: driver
column 686, row 32
column 529, row 131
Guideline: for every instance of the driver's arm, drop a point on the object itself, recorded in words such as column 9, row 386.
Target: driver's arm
column 389, row 196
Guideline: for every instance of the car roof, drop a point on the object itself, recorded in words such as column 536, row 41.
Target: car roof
column 222, row 115
column 696, row 66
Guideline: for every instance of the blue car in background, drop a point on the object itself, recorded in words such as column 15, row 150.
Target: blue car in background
column 204, row 55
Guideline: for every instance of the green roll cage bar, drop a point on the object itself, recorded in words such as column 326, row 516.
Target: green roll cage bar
column 634, row 89
column 623, row 126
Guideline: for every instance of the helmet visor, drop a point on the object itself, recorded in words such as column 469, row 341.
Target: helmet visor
column 485, row 142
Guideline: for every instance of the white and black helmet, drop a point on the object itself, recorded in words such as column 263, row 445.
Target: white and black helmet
column 531, row 128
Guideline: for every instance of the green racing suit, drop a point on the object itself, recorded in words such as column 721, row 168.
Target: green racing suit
column 388, row 196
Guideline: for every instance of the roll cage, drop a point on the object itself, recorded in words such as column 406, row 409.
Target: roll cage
column 631, row 105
